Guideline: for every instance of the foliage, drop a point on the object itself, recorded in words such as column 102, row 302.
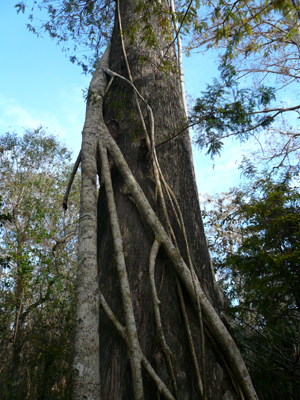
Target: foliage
column 272, row 355
column 4, row 217
column 262, row 262
column 81, row 26
column 86, row 25
column 260, row 41
column 225, row 109
column 248, row 27
column 269, row 254
column 263, row 31
column 37, row 281
column 255, row 236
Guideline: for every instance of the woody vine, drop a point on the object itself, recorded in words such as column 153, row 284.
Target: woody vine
column 97, row 144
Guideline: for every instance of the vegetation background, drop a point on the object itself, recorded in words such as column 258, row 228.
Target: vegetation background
column 253, row 229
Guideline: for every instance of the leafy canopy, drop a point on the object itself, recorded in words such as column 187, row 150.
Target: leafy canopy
column 82, row 27
column 254, row 232
column 225, row 109
column 37, row 266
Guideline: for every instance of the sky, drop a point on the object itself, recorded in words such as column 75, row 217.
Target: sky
column 40, row 86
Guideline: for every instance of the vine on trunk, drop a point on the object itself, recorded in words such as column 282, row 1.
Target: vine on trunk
column 97, row 139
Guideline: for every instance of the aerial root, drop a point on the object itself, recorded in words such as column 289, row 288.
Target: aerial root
column 75, row 168
column 234, row 381
column 132, row 342
column 162, row 388
column 190, row 338
column 167, row 239
column 156, row 303
column 191, row 283
column 178, row 215
column 158, row 179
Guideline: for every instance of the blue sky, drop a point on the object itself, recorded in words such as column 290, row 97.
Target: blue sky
column 39, row 86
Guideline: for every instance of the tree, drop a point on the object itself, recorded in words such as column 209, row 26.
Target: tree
column 256, row 41
column 259, row 37
column 260, row 273
column 38, row 246
column 142, row 248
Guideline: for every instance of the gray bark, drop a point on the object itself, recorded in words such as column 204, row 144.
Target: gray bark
column 175, row 157
column 142, row 320
column 86, row 352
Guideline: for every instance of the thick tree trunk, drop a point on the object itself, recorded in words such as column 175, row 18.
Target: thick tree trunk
column 161, row 90
column 153, row 339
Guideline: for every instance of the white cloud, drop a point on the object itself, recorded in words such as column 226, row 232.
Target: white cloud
column 14, row 116
column 64, row 118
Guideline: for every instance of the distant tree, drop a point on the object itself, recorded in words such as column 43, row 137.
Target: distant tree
column 38, row 242
column 257, row 259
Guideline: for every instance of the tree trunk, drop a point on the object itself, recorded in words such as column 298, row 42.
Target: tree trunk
column 167, row 327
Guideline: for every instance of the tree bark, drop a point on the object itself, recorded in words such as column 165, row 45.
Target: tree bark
column 166, row 335
column 86, row 349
